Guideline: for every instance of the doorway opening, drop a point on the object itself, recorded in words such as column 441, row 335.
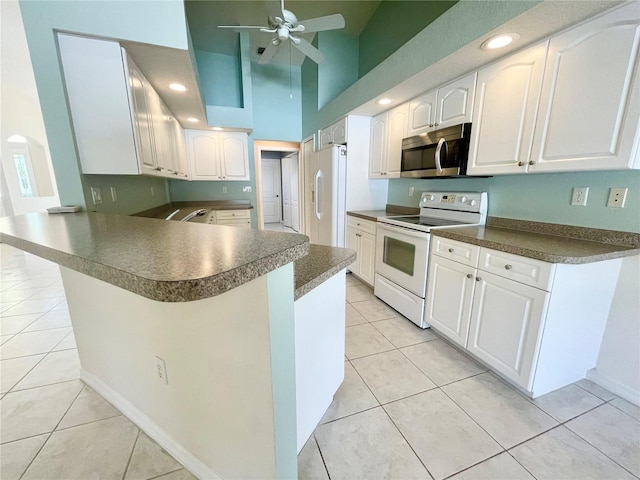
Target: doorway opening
column 279, row 186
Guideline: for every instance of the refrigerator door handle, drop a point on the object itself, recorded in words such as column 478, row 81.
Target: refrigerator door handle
column 317, row 192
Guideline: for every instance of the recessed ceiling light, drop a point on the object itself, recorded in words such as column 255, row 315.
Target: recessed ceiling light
column 384, row 101
column 217, row 129
column 499, row 41
column 178, row 87
column 193, row 120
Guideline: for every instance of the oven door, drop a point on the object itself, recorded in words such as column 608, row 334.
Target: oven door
column 402, row 256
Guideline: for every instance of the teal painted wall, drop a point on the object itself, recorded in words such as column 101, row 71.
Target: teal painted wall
column 220, row 79
column 339, row 69
column 391, row 26
column 133, row 193
column 458, row 26
column 159, row 22
column 542, row 197
column 277, row 112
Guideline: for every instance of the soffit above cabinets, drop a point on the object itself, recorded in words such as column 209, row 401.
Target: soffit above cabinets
column 538, row 23
column 163, row 66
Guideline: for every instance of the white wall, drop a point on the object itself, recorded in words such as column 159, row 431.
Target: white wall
column 21, row 112
column 618, row 366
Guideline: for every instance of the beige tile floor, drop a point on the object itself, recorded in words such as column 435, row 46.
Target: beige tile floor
column 411, row 406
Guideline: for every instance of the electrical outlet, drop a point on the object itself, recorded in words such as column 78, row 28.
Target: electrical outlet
column 579, row 196
column 96, row 195
column 161, row 370
column 617, row 196
column 114, row 195
column 246, row 189
column 225, row 190
column 411, row 190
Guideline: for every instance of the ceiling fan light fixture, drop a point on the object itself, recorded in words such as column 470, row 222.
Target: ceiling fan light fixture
column 178, row 87
column 384, row 101
column 499, row 41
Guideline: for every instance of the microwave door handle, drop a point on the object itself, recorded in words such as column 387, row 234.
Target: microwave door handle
column 438, row 151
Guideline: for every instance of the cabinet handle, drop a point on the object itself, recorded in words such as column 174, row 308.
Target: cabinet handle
column 520, row 164
column 436, row 124
column 469, row 275
column 451, row 250
column 478, row 279
column 508, row 267
column 531, row 162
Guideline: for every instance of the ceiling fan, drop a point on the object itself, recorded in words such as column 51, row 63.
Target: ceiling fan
column 285, row 24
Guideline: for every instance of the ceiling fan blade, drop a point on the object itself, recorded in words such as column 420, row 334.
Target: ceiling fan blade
column 309, row 50
column 330, row 22
column 275, row 8
column 243, row 28
column 268, row 53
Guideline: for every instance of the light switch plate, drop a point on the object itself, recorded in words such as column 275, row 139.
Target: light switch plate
column 246, row 189
column 617, row 197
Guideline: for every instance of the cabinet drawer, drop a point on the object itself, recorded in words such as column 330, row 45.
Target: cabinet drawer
column 529, row 271
column 365, row 225
column 461, row 252
column 222, row 215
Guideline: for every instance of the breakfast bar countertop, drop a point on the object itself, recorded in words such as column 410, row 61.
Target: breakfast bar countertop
column 160, row 260
column 548, row 242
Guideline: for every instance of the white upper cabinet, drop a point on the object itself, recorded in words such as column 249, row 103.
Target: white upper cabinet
column 387, row 131
column 506, row 100
column 590, row 100
column 449, row 105
column 217, row 155
column 334, row 134
column 118, row 118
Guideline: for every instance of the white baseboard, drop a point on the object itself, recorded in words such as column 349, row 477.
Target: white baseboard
column 148, row 426
column 614, row 386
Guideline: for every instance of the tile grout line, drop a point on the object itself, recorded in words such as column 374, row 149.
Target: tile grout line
column 126, row 467
column 315, row 439
column 51, row 433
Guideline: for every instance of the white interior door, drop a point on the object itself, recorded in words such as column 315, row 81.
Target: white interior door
column 286, row 191
column 295, row 193
column 271, row 190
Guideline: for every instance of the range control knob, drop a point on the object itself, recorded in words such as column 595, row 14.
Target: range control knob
column 473, row 203
column 464, row 199
column 431, row 197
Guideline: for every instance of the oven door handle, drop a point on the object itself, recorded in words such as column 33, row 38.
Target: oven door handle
column 441, row 142
column 401, row 230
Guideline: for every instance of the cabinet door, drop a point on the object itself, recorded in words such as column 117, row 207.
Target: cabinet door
column 142, row 117
column 204, row 157
column 455, row 102
column 504, row 113
column 449, row 295
column 352, row 244
column 422, row 112
column 233, row 156
column 164, row 139
column 396, row 131
column 367, row 253
column 506, row 324
column 325, row 138
column 339, row 132
column 181, row 162
column 590, row 101
column 377, row 156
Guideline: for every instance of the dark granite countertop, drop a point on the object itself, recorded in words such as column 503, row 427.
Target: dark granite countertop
column 160, row 260
column 164, row 210
column 319, row 265
column 552, row 243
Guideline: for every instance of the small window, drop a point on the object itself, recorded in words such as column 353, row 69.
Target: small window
column 23, row 175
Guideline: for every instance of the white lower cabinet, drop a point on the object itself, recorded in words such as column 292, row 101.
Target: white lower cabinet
column 237, row 218
column 537, row 324
column 361, row 237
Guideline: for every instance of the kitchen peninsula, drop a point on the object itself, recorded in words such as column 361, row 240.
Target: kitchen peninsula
column 192, row 332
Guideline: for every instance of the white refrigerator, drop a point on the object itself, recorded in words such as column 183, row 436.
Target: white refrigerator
column 328, row 195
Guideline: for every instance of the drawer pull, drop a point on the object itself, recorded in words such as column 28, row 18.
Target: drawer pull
column 508, row 267
column 451, row 250
column 469, row 275
column 478, row 279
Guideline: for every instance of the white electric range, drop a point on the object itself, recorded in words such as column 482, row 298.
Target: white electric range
column 402, row 247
